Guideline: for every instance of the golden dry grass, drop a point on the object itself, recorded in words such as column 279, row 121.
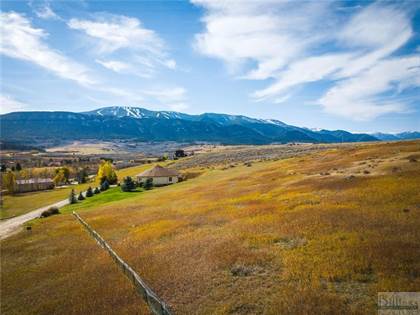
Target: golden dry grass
column 277, row 237
column 58, row 269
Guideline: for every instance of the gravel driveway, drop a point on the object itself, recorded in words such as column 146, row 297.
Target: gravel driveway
column 11, row 226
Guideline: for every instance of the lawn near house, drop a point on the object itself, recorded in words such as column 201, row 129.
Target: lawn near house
column 316, row 234
column 109, row 196
column 18, row 204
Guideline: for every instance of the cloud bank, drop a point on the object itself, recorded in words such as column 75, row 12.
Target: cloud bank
column 124, row 44
column 292, row 45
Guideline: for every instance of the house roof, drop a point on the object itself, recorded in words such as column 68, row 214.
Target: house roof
column 33, row 181
column 158, row 171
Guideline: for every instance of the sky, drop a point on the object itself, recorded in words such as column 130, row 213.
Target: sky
column 352, row 65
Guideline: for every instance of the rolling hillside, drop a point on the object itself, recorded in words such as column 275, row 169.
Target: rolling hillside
column 315, row 234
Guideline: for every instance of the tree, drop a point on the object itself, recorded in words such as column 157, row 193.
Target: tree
column 89, row 192
column 9, row 181
column 96, row 191
column 59, row 178
column 106, row 172
column 72, row 197
column 18, row 167
column 180, row 153
column 80, row 197
column 105, row 185
column 81, row 176
column 62, row 175
column 128, row 184
column 148, row 184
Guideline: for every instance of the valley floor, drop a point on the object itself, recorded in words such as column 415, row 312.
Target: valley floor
column 320, row 233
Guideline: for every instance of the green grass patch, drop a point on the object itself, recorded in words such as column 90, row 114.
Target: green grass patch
column 111, row 195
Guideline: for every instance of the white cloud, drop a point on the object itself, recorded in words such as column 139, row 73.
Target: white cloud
column 302, row 71
column 139, row 45
column 178, row 107
column 375, row 26
column 356, row 97
column 177, row 94
column 298, row 44
column 114, row 65
column 45, row 12
column 174, row 98
column 21, row 40
column 9, row 104
column 268, row 33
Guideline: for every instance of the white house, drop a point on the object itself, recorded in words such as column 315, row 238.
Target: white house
column 160, row 176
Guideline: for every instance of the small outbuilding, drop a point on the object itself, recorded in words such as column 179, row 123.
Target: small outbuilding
column 159, row 175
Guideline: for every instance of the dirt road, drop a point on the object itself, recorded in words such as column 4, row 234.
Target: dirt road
column 11, row 226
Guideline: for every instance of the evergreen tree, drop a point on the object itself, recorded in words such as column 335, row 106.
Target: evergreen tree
column 148, row 184
column 105, row 185
column 128, row 184
column 82, row 176
column 96, row 191
column 80, row 197
column 89, row 192
column 72, row 197
column 18, row 167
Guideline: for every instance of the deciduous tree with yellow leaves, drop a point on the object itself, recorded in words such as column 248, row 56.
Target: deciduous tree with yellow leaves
column 9, row 181
column 106, row 172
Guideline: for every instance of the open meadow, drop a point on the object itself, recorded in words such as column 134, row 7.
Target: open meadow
column 320, row 232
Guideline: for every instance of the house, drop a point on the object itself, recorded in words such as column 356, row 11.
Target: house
column 33, row 184
column 160, row 176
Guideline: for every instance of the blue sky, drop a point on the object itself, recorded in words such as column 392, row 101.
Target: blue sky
column 335, row 65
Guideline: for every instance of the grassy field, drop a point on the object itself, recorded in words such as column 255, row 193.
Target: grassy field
column 18, row 204
column 315, row 234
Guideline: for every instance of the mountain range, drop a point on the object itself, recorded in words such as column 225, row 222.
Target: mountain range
column 137, row 123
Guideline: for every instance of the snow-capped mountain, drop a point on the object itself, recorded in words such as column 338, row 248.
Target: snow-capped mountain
column 122, row 122
column 135, row 112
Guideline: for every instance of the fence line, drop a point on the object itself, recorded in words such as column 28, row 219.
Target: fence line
column 156, row 305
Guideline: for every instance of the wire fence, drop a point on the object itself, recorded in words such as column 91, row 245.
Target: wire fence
column 156, row 305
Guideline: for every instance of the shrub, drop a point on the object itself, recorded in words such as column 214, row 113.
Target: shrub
column 89, row 192
column 80, row 197
column 128, row 184
column 104, row 185
column 148, row 184
column 72, row 197
column 49, row 212
column 96, row 191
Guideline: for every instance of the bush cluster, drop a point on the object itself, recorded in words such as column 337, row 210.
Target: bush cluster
column 49, row 212
column 128, row 184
